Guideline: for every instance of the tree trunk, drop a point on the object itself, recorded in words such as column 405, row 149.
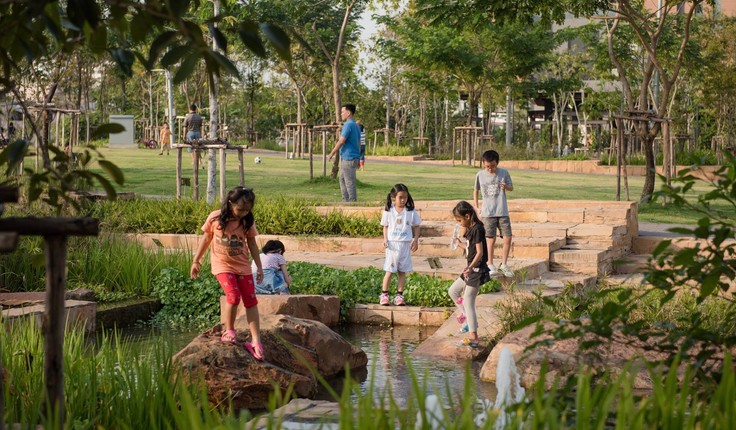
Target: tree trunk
column 509, row 117
column 214, row 87
column 388, row 108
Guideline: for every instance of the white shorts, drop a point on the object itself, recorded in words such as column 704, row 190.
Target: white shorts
column 398, row 257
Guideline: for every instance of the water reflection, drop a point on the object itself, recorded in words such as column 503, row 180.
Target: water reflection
column 389, row 362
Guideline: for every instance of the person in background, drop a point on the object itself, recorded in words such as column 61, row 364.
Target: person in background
column 165, row 139
column 230, row 233
column 193, row 127
column 362, row 147
column 276, row 279
column 349, row 147
column 193, row 124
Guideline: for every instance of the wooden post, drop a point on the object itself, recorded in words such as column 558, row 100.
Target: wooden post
column 619, row 156
column 178, row 173
column 223, row 183
column 55, row 232
column 324, row 153
column 53, row 325
column 311, row 161
column 241, row 169
column 195, row 174
column 286, row 144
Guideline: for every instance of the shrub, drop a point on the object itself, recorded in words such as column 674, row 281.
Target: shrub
column 187, row 303
column 274, row 215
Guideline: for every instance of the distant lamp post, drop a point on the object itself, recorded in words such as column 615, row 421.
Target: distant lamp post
column 170, row 97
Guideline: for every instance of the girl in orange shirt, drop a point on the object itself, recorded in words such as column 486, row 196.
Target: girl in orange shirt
column 230, row 233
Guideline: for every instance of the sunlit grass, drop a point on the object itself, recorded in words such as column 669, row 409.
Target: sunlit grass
column 148, row 173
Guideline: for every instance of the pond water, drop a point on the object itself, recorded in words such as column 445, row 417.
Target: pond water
column 390, row 363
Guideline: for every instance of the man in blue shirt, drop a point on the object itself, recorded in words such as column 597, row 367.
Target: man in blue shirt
column 349, row 147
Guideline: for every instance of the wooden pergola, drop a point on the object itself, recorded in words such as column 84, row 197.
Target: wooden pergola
column 467, row 138
column 322, row 133
column 203, row 144
column 297, row 134
column 58, row 137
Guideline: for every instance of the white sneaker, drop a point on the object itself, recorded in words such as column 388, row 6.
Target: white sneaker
column 383, row 299
column 506, row 271
column 492, row 271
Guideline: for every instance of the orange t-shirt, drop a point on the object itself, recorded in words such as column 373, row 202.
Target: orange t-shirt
column 229, row 248
column 165, row 135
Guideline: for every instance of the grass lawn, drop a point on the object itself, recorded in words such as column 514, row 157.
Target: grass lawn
column 148, row 173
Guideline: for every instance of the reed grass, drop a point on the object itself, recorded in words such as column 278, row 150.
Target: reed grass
column 113, row 266
column 109, row 384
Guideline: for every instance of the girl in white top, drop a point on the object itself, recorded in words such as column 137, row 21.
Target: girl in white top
column 400, row 238
column 276, row 279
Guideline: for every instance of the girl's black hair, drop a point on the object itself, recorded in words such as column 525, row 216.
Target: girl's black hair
column 235, row 195
column 273, row 245
column 463, row 209
column 395, row 190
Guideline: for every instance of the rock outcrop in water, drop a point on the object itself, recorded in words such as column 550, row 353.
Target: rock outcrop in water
column 292, row 346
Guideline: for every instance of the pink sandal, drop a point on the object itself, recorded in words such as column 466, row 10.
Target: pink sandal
column 255, row 349
column 229, row 336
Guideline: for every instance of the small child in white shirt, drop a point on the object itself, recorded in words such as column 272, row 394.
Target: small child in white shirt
column 276, row 279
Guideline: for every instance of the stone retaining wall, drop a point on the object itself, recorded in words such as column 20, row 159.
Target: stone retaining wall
column 561, row 166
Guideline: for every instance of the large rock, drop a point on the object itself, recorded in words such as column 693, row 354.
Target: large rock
column 325, row 309
column 292, row 347
column 564, row 358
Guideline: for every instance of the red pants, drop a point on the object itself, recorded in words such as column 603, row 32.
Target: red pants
column 237, row 286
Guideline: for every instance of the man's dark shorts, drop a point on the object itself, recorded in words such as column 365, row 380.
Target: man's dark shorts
column 501, row 223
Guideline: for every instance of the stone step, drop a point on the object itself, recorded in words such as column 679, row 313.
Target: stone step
column 540, row 229
column 558, row 281
column 450, row 267
column 398, row 315
column 632, row 263
column 76, row 313
column 438, row 229
column 522, row 247
column 586, row 261
column 625, row 280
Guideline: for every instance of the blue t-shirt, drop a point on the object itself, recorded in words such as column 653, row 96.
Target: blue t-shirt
column 350, row 150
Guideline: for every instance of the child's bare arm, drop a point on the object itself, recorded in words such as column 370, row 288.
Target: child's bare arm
column 416, row 231
column 204, row 243
column 287, row 277
column 253, row 248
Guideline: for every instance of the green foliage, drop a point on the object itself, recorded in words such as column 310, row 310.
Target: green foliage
column 187, row 303
column 702, row 328
column 700, row 157
column 55, row 184
column 364, row 285
column 107, row 385
column 113, row 266
column 274, row 215
column 394, row 150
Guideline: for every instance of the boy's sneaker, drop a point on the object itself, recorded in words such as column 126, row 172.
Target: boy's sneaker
column 399, row 300
column 384, row 300
column 506, row 271
column 492, row 270
column 461, row 318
